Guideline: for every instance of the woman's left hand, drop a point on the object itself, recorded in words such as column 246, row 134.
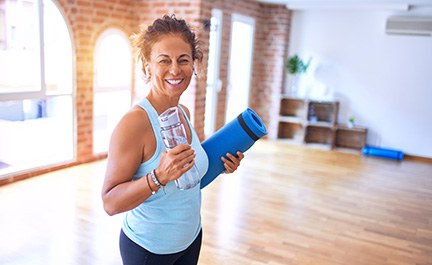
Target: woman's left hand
column 231, row 164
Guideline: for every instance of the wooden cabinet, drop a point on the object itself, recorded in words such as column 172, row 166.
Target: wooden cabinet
column 321, row 120
column 291, row 120
column 346, row 137
column 312, row 121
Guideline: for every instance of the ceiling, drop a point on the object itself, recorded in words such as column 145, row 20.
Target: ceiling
column 327, row 4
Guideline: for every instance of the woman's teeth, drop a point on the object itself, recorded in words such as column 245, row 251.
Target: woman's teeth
column 174, row 82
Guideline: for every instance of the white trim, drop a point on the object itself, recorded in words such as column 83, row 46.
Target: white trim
column 41, row 47
column 338, row 5
column 216, row 82
column 74, row 80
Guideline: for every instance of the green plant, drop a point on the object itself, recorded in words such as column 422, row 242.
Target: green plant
column 295, row 65
column 351, row 119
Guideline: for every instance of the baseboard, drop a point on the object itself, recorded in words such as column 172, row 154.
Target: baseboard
column 36, row 172
column 418, row 158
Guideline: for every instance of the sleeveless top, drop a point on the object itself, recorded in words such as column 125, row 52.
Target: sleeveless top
column 168, row 221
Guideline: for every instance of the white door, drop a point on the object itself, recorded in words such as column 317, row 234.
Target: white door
column 213, row 82
column 240, row 65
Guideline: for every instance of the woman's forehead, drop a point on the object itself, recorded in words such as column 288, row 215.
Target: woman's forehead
column 171, row 45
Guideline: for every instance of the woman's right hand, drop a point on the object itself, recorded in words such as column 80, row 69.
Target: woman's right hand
column 175, row 163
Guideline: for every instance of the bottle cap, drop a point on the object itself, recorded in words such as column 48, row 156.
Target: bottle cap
column 169, row 117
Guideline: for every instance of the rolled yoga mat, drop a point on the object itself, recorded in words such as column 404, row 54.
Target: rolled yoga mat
column 382, row 152
column 238, row 135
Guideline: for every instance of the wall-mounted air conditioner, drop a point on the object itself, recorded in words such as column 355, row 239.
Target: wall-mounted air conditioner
column 418, row 26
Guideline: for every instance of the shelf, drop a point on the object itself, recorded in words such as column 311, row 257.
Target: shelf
column 323, row 111
column 319, row 124
column 292, row 107
column 293, row 131
column 319, row 134
column 315, row 122
column 290, row 119
column 354, row 138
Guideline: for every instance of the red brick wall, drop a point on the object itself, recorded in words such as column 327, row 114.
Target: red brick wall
column 87, row 19
column 271, row 43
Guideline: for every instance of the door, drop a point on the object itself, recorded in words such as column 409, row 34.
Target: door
column 240, row 65
column 213, row 82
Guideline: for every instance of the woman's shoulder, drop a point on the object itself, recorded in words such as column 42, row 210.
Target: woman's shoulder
column 186, row 110
column 134, row 121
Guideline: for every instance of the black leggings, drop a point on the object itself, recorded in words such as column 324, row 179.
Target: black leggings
column 133, row 254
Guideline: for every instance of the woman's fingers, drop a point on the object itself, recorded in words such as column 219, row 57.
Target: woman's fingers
column 231, row 163
column 177, row 161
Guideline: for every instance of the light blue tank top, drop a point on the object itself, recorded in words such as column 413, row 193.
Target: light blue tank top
column 167, row 222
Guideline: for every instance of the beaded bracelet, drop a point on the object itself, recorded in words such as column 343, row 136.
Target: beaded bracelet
column 155, row 179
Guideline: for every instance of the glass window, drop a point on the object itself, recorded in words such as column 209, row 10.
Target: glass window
column 36, row 104
column 112, row 85
column 19, row 46
column 57, row 52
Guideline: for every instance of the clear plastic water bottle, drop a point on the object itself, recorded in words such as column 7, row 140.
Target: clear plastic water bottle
column 173, row 134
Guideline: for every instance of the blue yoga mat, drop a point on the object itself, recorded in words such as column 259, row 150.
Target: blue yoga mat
column 237, row 135
column 383, row 152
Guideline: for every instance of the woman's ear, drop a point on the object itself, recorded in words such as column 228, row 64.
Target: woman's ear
column 147, row 72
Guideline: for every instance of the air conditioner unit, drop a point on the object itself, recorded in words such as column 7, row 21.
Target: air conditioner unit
column 417, row 26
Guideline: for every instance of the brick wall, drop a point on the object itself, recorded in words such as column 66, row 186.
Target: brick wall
column 271, row 43
column 87, row 19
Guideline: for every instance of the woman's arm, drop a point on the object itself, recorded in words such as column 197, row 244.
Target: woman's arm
column 119, row 192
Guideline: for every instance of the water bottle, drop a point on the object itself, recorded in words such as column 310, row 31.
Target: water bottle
column 173, row 133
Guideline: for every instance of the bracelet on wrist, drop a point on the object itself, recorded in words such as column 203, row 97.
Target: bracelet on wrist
column 148, row 183
column 155, row 179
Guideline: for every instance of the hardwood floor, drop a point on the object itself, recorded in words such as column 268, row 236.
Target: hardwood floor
column 285, row 205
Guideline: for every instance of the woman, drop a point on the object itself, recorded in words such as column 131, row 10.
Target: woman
column 163, row 223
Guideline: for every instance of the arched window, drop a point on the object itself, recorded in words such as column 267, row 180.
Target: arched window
column 36, row 84
column 112, row 85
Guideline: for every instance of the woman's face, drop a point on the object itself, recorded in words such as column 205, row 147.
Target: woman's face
column 171, row 65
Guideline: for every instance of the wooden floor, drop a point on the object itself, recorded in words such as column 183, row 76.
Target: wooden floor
column 285, row 205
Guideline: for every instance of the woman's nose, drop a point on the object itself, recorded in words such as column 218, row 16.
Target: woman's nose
column 174, row 68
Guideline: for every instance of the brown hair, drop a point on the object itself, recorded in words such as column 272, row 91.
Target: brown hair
column 168, row 24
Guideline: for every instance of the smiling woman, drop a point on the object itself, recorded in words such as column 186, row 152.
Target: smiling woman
column 162, row 223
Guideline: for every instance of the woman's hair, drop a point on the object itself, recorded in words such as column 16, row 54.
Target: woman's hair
column 143, row 42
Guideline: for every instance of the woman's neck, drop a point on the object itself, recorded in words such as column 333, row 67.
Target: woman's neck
column 162, row 102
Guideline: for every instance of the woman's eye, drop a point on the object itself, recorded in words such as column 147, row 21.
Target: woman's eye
column 164, row 61
column 184, row 61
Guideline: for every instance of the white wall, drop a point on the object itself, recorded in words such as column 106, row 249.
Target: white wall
column 384, row 81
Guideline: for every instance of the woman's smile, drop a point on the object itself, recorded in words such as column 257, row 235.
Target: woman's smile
column 174, row 82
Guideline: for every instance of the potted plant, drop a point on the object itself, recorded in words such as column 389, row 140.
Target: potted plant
column 296, row 66
column 351, row 122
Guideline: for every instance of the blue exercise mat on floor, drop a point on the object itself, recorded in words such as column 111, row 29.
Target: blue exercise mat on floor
column 383, row 152
column 238, row 135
